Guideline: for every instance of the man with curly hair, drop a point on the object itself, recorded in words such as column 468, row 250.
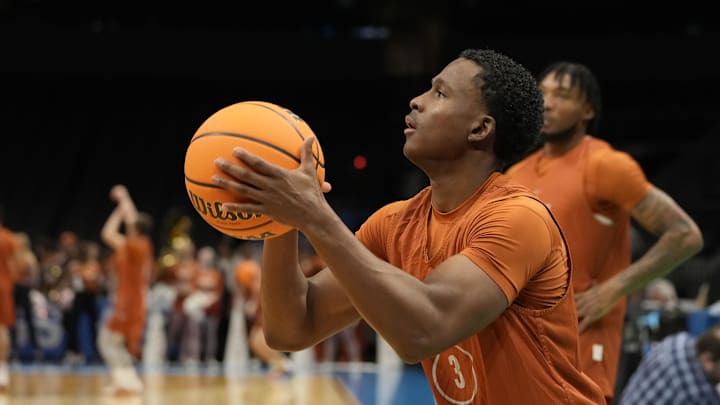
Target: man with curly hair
column 470, row 276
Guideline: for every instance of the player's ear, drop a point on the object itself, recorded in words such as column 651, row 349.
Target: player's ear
column 588, row 112
column 482, row 128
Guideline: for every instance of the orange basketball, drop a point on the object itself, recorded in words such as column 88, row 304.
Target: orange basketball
column 265, row 129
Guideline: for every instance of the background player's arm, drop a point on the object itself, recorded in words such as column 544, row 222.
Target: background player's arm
column 110, row 233
column 120, row 194
column 616, row 177
column 679, row 238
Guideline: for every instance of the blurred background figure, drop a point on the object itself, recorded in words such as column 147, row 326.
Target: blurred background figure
column 87, row 281
column 9, row 262
column 202, row 310
column 682, row 369
column 244, row 261
column 26, row 280
column 183, row 272
column 247, row 275
column 595, row 192
column 119, row 339
column 344, row 345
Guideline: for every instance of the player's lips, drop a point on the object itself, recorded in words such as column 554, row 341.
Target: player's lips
column 410, row 125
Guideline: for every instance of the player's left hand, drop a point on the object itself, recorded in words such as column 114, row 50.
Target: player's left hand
column 594, row 303
column 292, row 197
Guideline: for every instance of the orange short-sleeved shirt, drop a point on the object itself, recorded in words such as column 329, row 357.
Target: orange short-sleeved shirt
column 9, row 247
column 513, row 238
column 591, row 190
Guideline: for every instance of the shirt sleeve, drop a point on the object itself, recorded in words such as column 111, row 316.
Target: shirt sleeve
column 510, row 244
column 615, row 177
column 372, row 232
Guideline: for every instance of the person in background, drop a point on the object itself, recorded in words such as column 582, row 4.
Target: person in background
column 247, row 277
column 27, row 280
column 202, row 308
column 9, row 263
column 119, row 339
column 86, row 273
column 594, row 190
column 681, row 369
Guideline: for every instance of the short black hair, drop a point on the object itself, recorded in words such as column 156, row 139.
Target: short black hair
column 2, row 214
column 585, row 80
column 709, row 342
column 511, row 95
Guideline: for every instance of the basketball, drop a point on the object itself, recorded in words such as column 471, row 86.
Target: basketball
column 264, row 129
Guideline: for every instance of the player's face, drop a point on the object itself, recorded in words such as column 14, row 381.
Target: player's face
column 566, row 109
column 442, row 118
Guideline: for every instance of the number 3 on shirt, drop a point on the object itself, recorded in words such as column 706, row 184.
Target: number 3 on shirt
column 454, row 376
column 455, row 363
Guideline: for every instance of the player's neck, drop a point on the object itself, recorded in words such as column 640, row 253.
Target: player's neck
column 453, row 187
column 558, row 147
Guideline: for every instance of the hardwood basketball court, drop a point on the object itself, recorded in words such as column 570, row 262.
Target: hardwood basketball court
column 58, row 385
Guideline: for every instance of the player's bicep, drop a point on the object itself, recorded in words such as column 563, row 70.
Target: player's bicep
column 329, row 306
column 658, row 212
column 465, row 298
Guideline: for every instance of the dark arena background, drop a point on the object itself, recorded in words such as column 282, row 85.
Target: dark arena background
column 96, row 94
column 99, row 93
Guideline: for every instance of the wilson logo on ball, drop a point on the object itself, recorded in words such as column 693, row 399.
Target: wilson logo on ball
column 267, row 130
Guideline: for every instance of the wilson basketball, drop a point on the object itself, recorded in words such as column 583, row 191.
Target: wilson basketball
column 265, row 129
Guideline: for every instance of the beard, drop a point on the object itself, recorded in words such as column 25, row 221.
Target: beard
column 558, row 136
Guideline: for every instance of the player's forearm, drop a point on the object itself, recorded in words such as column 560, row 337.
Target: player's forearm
column 283, row 291
column 680, row 242
column 393, row 302
column 111, row 228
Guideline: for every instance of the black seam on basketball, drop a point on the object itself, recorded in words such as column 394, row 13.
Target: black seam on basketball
column 317, row 158
column 200, row 183
column 249, row 138
column 227, row 228
column 297, row 131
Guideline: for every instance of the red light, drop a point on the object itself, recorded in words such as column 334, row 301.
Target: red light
column 360, row 162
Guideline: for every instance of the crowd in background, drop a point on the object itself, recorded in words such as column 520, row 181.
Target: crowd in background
column 65, row 286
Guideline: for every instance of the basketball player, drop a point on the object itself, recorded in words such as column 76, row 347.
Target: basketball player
column 9, row 264
column 593, row 190
column 471, row 276
column 119, row 340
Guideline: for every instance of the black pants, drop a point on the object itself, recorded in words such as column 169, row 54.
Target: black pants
column 21, row 296
column 85, row 302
